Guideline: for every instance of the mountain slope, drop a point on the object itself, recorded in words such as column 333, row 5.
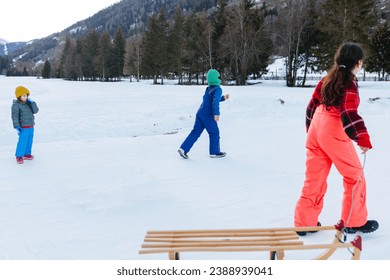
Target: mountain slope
column 7, row 48
column 129, row 15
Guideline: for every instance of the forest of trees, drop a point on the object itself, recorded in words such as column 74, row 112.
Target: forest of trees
column 94, row 57
column 239, row 39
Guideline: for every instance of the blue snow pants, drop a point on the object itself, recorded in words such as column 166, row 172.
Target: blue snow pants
column 211, row 126
column 25, row 142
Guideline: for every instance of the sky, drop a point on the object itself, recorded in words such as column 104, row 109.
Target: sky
column 24, row 20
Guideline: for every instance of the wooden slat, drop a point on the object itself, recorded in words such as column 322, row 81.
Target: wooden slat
column 195, row 231
column 221, row 243
column 219, row 234
column 254, row 239
column 248, row 248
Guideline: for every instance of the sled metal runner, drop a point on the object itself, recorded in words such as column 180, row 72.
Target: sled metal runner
column 276, row 241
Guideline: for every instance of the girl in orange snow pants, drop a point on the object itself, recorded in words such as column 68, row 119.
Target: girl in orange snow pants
column 328, row 143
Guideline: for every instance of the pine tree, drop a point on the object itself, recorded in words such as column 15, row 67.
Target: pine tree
column 261, row 45
column 309, row 39
column 4, row 64
column 196, row 58
column 133, row 57
column 176, row 44
column 150, row 49
column 154, row 62
column 118, row 54
column 218, row 58
column 90, row 53
column 77, row 53
column 65, row 61
column 104, row 59
column 46, row 70
column 379, row 58
column 343, row 21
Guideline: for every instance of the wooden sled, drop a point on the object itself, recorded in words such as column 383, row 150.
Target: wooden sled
column 274, row 240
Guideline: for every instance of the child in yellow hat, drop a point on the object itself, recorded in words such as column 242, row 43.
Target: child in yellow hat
column 22, row 113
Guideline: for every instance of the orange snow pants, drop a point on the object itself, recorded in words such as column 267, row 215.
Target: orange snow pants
column 327, row 143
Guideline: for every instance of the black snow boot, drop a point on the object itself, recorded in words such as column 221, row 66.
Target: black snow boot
column 303, row 233
column 220, row 155
column 369, row 226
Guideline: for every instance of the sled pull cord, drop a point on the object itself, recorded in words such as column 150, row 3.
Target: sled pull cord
column 353, row 190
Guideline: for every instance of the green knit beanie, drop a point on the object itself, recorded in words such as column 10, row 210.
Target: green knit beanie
column 213, row 78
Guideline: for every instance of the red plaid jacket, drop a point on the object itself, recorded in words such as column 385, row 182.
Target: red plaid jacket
column 353, row 123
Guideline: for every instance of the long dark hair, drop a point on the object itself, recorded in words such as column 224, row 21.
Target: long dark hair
column 345, row 60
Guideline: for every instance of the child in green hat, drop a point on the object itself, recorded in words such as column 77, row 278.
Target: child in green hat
column 207, row 117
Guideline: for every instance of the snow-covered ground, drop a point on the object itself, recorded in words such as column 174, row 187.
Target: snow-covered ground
column 107, row 168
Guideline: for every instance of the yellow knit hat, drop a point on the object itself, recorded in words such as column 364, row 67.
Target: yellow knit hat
column 21, row 90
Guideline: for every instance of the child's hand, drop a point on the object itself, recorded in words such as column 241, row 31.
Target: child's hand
column 216, row 118
column 364, row 149
column 18, row 129
column 29, row 100
column 227, row 96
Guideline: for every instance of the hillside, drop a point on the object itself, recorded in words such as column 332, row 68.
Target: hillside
column 129, row 15
column 7, row 48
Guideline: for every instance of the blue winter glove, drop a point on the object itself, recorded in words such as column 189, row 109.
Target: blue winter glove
column 18, row 129
column 29, row 100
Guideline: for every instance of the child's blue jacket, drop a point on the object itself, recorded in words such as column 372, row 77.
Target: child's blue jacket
column 211, row 99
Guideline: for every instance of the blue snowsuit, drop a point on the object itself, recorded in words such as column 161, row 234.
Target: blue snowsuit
column 205, row 120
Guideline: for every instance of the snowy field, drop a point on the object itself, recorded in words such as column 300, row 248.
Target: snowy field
column 106, row 168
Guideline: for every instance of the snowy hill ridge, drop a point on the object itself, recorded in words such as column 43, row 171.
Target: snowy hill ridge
column 3, row 47
column 106, row 168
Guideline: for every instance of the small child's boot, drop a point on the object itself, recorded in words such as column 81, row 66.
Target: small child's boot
column 219, row 155
column 182, row 153
column 28, row 157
